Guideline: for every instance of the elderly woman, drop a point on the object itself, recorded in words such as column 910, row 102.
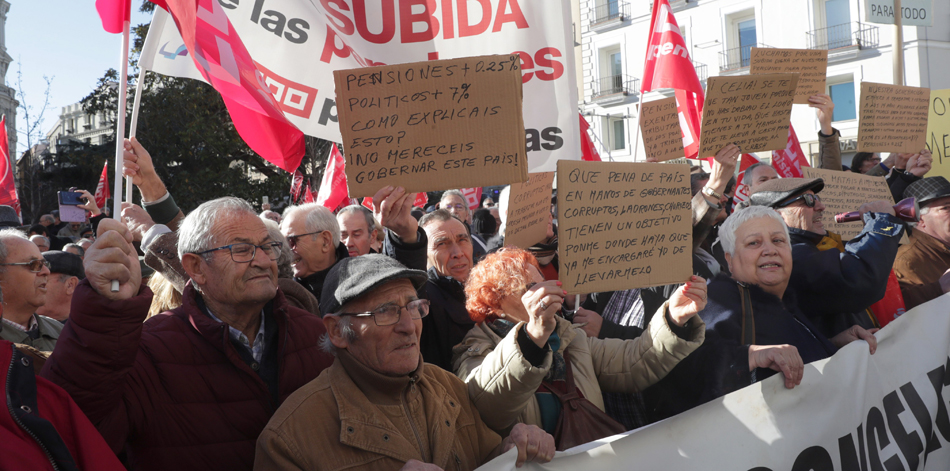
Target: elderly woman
column 754, row 327
column 521, row 349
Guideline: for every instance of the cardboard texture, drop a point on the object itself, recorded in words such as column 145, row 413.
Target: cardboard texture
column 432, row 125
column 751, row 111
column 660, row 127
column 529, row 209
column 893, row 118
column 845, row 192
column 623, row 225
column 938, row 132
column 812, row 64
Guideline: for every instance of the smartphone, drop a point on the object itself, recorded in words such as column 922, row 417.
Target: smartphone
column 70, row 198
column 69, row 210
column 266, row 200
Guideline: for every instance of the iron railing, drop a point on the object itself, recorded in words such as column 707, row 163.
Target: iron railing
column 609, row 11
column 857, row 34
column 737, row 57
column 615, row 85
column 701, row 71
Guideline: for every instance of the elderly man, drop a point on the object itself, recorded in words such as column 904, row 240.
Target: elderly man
column 65, row 274
column 923, row 265
column 455, row 203
column 192, row 388
column 357, row 229
column 47, row 220
column 75, row 250
column 836, row 282
column 379, row 407
column 41, row 242
column 757, row 174
column 24, row 275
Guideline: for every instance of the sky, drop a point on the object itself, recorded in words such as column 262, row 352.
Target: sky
column 63, row 40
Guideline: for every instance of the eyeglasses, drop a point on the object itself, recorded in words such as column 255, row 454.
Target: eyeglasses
column 456, row 206
column 389, row 314
column 34, row 266
column 292, row 240
column 809, row 199
column 243, row 252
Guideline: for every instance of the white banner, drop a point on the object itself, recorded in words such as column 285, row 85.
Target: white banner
column 916, row 12
column 852, row 412
column 298, row 43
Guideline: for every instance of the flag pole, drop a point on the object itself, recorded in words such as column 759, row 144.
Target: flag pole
column 898, row 43
column 133, row 125
column 120, row 129
column 636, row 145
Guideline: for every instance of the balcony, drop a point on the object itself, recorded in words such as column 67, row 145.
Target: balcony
column 701, row 72
column 609, row 13
column 737, row 57
column 614, row 89
column 849, row 35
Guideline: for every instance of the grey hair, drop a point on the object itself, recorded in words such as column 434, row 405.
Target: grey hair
column 346, row 329
column 194, row 234
column 284, row 267
column 42, row 238
column 48, row 218
column 5, row 235
column 319, row 218
column 503, row 207
column 439, row 215
column 455, row 193
column 82, row 251
column 747, row 177
column 727, row 232
column 355, row 208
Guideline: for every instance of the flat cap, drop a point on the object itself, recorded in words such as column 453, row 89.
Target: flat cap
column 928, row 189
column 781, row 190
column 8, row 217
column 65, row 263
column 353, row 277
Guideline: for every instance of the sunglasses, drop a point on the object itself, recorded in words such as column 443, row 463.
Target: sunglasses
column 34, row 266
column 809, row 199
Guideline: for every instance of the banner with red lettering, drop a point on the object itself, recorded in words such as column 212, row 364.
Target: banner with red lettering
column 8, row 195
column 742, row 191
column 102, row 188
column 299, row 43
column 788, row 162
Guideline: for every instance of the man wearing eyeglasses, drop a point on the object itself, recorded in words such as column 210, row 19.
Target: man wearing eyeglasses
column 192, row 388
column 24, row 275
column 379, row 407
column 836, row 282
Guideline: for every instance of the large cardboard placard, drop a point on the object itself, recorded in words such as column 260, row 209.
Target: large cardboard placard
column 623, row 225
column 893, row 118
column 845, row 192
column 751, row 111
column 529, row 210
column 938, row 132
column 812, row 64
column 660, row 127
column 434, row 125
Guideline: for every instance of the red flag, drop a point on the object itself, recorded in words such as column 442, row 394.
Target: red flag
column 102, row 189
column 588, row 151
column 296, row 186
column 333, row 189
column 472, row 196
column 308, row 195
column 8, row 194
column 668, row 65
column 788, row 162
column 420, row 201
column 114, row 14
column 225, row 63
column 742, row 191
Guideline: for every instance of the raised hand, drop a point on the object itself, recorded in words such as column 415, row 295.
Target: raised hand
column 137, row 220
column 688, row 300
column 542, row 302
column 89, row 203
column 112, row 257
column 393, row 211
column 825, row 109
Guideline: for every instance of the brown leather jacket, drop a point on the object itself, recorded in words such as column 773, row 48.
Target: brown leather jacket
column 351, row 417
column 919, row 266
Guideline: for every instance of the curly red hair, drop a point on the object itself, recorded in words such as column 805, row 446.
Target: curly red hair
column 499, row 275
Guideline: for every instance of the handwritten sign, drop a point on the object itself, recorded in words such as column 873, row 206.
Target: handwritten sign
column 893, row 118
column 623, row 225
column 660, row 127
column 811, row 64
column 433, row 125
column 529, row 210
column 845, row 192
column 752, row 112
column 938, row 132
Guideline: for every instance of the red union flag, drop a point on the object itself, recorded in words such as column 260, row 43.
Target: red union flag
column 225, row 63
column 742, row 191
column 102, row 189
column 8, row 194
column 588, row 151
column 472, row 196
column 668, row 65
column 296, row 186
column 788, row 162
column 333, row 189
column 113, row 14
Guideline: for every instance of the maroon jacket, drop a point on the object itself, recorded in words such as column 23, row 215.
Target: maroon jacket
column 174, row 393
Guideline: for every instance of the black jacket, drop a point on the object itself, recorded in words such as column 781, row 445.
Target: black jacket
column 314, row 281
column 447, row 322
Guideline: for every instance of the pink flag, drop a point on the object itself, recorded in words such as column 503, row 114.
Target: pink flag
column 225, row 63
column 788, row 162
column 114, row 14
column 8, row 194
column 333, row 189
column 742, row 191
column 102, row 189
column 588, row 151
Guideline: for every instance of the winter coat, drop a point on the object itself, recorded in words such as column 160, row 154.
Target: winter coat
column 49, row 330
column 448, row 321
column 919, row 266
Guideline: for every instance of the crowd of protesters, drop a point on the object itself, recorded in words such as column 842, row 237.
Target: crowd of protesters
column 232, row 339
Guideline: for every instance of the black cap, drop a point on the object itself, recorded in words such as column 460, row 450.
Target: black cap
column 774, row 193
column 65, row 263
column 8, row 217
column 928, row 189
column 352, row 277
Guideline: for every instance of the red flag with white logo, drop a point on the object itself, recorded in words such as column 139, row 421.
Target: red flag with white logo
column 8, row 195
column 668, row 65
column 333, row 189
column 472, row 197
column 588, row 151
column 788, row 162
column 296, row 186
column 102, row 189
column 742, row 191
column 225, row 63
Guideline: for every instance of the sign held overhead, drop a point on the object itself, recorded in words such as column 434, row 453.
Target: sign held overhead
column 529, row 210
column 660, row 127
column 812, row 64
column 893, row 118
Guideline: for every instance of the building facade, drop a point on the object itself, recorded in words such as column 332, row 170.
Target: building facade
column 8, row 102
column 720, row 34
column 76, row 126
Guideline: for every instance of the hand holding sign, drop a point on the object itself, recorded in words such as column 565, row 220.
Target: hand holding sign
column 688, row 300
column 825, row 109
column 394, row 212
column 542, row 301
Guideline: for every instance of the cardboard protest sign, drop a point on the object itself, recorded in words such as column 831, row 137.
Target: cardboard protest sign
column 751, row 111
column 938, row 132
column 845, row 192
column 529, row 210
column 811, row 64
column 660, row 127
column 434, row 125
column 893, row 118
column 623, row 225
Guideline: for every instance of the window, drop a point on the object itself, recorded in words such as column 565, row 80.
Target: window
column 747, row 39
column 615, row 134
column 838, row 22
column 741, row 36
column 842, row 93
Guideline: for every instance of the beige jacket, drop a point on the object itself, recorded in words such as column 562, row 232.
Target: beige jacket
column 502, row 383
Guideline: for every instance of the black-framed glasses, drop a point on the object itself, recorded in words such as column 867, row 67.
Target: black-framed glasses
column 292, row 240
column 809, row 199
column 244, row 252
column 34, row 266
column 388, row 314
